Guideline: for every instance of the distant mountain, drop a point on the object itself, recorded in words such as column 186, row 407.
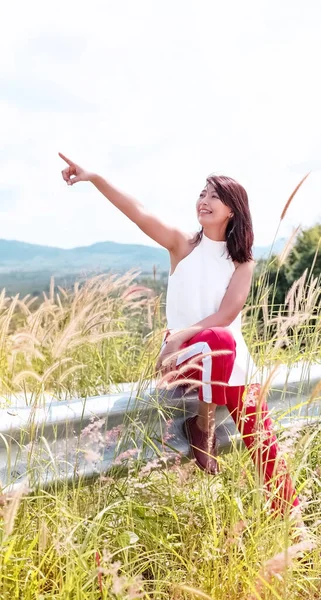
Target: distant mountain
column 20, row 256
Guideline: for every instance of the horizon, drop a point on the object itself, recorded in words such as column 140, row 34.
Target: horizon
column 147, row 245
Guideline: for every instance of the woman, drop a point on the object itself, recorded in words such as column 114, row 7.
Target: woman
column 210, row 279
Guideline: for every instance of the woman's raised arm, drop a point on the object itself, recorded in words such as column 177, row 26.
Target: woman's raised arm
column 167, row 236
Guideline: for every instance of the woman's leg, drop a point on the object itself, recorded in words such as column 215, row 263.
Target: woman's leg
column 214, row 350
column 214, row 375
column 251, row 416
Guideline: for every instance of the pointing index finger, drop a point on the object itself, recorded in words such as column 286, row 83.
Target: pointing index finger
column 67, row 160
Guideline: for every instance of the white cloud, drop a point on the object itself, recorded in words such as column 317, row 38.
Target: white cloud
column 155, row 96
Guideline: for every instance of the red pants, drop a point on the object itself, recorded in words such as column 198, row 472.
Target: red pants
column 248, row 409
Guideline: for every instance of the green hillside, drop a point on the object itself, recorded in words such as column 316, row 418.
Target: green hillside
column 27, row 268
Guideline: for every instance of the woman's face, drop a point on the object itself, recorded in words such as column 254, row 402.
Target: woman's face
column 210, row 209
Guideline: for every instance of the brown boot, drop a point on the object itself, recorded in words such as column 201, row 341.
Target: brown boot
column 202, row 448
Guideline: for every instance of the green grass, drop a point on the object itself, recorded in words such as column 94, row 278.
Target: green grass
column 152, row 532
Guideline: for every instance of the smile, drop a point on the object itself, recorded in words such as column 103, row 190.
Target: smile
column 203, row 211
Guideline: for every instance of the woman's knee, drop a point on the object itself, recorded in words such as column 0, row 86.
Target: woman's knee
column 221, row 338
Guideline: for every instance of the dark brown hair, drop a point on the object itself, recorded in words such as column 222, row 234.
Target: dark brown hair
column 239, row 231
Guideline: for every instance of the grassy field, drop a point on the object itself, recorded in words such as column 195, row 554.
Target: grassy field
column 161, row 530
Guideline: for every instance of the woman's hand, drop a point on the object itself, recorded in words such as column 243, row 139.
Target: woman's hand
column 167, row 359
column 73, row 173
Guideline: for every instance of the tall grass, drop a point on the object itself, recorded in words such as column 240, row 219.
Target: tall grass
column 295, row 324
column 79, row 341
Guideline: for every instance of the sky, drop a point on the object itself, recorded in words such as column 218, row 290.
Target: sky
column 155, row 96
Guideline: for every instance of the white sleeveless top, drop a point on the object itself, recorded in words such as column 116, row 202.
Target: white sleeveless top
column 195, row 291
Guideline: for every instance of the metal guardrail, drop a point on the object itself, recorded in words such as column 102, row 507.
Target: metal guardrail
column 52, row 441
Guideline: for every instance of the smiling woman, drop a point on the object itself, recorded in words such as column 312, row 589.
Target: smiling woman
column 203, row 347
column 232, row 212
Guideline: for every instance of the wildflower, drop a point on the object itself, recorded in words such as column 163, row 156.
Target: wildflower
column 92, row 431
column 139, row 486
column 262, row 434
column 126, row 455
column 251, row 395
column 170, row 456
column 113, row 435
column 153, row 464
column 290, row 437
column 91, row 456
column 96, row 440
column 178, row 459
column 167, row 435
column 281, row 466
